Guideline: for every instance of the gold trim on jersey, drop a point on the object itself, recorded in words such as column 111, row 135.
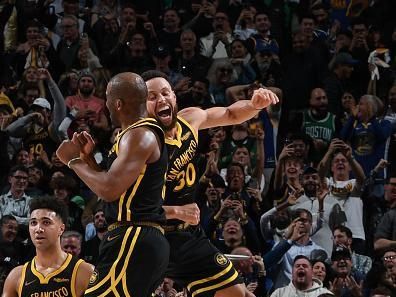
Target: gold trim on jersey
column 135, row 188
column 178, row 140
column 227, row 281
column 175, row 141
column 45, row 279
column 130, row 197
column 140, row 123
column 22, row 279
column 210, row 278
column 124, row 286
column 194, row 132
column 74, row 276
column 112, row 273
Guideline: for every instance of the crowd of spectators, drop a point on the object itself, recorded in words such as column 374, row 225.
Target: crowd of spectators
column 306, row 189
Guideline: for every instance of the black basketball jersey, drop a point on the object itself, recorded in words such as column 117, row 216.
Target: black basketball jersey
column 37, row 140
column 143, row 200
column 182, row 174
column 59, row 283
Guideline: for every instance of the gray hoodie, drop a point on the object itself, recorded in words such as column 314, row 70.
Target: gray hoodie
column 291, row 291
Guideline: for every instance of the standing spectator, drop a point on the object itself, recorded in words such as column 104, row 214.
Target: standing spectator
column 302, row 73
column 90, row 248
column 344, row 192
column 16, row 202
column 303, row 246
column 360, row 51
column 263, row 27
column 169, row 35
column 318, row 122
column 385, row 236
column 90, row 109
column 161, row 55
column 245, row 26
column 336, row 83
column 189, row 61
column 366, row 133
column 216, row 44
column 302, row 283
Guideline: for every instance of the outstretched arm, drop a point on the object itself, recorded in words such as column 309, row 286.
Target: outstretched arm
column 236, row 113
column 136, row 148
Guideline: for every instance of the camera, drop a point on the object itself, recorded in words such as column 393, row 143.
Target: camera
column 235, row 196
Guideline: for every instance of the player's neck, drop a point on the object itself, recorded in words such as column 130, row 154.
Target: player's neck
column 171, row 133
column 51, row 258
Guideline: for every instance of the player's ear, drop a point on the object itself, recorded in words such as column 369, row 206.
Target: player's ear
column 61, row 229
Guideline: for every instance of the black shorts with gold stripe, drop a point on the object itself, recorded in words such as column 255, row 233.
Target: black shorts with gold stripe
column 132, row 262
column 198, row 265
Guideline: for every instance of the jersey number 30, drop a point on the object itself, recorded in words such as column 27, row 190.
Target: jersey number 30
column 186, row 177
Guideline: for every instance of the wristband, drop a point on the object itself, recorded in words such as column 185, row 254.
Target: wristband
column 73, row 160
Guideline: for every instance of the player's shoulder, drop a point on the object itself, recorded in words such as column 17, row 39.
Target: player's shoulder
column 14, row 278
column 194, row 116
column 85, row 267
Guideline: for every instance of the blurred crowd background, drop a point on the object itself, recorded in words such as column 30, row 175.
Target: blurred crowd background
column 313, row 175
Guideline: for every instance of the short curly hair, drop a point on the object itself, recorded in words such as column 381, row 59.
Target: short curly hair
column 49, row 202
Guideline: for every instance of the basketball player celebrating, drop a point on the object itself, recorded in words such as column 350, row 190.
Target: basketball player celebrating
column 194, row 262
column 135, row 254
column 52, row 272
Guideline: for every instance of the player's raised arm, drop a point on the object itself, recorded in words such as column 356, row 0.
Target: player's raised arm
column 236, row 113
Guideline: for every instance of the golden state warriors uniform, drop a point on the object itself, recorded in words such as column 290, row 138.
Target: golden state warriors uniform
column 59, row 283
column 134, row 255
column 194, row 262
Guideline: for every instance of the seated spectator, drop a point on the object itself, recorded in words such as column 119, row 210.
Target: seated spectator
column 66, row 190
column 266, row 64
column 302, row 283
column 321, row 270
column 11, row 247
column 342, row 236
column 236, row 235
column 251, row 270
column 90, row 248
column 71, row 243
column 385, row 236
column 348, row 281
column 240, row 58
column 196, row 96
column 16, row 202
column 221, row 75
column 348, row 104
column 170, row 33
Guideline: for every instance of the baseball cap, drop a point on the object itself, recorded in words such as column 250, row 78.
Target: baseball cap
column 340, row 251
column 343, row 59
column 42, row 102
column 160, row 51
column 310, row 170
column 5, row 103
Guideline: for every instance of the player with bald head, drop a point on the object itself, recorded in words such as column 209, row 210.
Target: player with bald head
column 134, row 254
